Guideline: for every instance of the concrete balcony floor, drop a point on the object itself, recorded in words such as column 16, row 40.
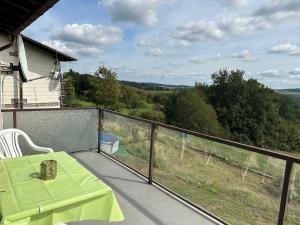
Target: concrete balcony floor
column 141, row 203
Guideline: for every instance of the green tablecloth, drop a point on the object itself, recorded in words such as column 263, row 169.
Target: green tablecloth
column 75, row 195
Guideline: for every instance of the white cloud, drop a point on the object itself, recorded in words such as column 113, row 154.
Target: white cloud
column 148, row 42
column 184, row 43
column 244, row 55
column 73, row 49
column 235, row 3
column 295, row 71
column 141, row 12
column 196, row 60
column 270, row 73
column 232, row 25
column 241, row 55
column 89, row 34
column 280, row 8
column 153, row 52
column 60, row 46
column 174, row 64
column 286, row 48
column 193, row 31
column 216, row 57
column 224, row 27
column 89, row 51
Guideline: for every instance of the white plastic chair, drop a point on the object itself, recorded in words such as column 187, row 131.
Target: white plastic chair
column 9, row 144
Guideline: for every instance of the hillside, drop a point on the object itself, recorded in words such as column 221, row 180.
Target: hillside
column 293, row 93
column 153, row 86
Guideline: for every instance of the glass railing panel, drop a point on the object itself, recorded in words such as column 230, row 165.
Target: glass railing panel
column 62, row 130
column 238, row 186
column 7, row 120
column 133, row 137
column 293, row 207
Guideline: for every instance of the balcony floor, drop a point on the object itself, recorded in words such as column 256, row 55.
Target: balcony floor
column 142, row 204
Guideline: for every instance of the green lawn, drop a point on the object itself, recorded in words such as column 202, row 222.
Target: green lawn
column 81, row 103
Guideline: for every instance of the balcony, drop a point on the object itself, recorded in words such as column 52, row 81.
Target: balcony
column 141, row 203
column 167, row 175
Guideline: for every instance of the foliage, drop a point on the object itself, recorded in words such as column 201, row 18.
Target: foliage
column 69, row 90
column 289, row 136
column 106, row 92
column 245, row 107
column 81, row 103
column 101, row 88
column 132, row 97
column 232, row 107
column 189, row 110
column 149, row 114
column 289, row 107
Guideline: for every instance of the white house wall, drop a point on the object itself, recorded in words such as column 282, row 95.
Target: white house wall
column 11, row 86
column 43, row 92
column 36, row 94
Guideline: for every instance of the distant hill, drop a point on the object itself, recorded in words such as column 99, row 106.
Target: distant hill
column 153, row 86
column 293, row 93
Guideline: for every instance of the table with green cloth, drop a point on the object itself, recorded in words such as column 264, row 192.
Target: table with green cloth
column 74, row 195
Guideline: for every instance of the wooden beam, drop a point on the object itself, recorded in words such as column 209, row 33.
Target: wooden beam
column 3, row 24
column 16, row 5
column 36, row 14
column 7, row 11
column 7, row 22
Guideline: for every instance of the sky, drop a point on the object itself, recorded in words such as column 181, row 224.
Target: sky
column 177, row 41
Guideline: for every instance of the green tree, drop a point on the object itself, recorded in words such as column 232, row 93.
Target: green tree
column 289, row 136
column 246, row 108
column 188, row 109
column 106, row 91
column 68, row 89
column 131, row 97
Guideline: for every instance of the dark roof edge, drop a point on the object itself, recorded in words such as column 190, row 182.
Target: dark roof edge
column 61, row 56
column 36, row 14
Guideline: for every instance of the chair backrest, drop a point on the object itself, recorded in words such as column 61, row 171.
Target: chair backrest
column 9, row 144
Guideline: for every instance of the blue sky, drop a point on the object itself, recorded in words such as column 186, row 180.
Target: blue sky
column 176, row 41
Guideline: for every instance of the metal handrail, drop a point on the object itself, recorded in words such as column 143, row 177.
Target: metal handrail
column 213, row 138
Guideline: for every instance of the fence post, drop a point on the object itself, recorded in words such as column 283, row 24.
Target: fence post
column 285, row 192
column 14, row 119
column 152, row 149
column 100, row 128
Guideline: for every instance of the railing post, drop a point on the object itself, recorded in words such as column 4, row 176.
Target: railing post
column 152, row 149
column 285, row 192
column 100, row 128
column 14, row 119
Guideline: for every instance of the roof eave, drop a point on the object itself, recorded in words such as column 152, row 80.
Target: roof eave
column 61, row 56
column 36, row 14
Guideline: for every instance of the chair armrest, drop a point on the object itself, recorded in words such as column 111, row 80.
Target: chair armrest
column 34, row 146
column 42, row 149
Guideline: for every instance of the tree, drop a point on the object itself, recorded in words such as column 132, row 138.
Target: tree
column 68, row 88
column 131, row 97
column 106, row 92
column 246, row 108
column 188, row 109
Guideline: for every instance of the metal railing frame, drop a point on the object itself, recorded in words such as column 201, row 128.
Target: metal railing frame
column 290, row 160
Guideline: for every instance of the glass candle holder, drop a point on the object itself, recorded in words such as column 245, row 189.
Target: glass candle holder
column 48, row 169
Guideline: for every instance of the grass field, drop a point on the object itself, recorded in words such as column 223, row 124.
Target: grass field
column 227, row 185
column 81, row 103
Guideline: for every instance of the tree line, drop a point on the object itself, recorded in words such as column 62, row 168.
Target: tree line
column 231, row 107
